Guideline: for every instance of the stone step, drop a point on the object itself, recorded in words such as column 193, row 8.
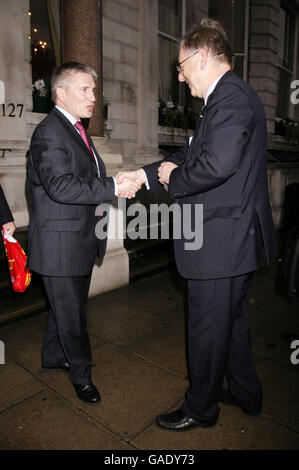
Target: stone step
column 16, row 305
column 4, row 277
column 147, row 257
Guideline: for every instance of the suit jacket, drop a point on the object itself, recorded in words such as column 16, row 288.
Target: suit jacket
column 5, row 212
column 224, row 169
column 65, row 191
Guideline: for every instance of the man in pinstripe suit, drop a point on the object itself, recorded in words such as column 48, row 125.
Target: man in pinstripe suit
column 67, row 179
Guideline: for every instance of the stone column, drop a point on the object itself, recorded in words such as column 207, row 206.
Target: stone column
column 148, row 76
column 263, row 55
column 82, row 42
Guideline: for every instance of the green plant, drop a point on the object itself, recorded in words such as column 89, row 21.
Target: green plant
column 170, row 115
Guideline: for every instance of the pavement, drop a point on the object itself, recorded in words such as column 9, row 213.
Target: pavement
column 139, row 365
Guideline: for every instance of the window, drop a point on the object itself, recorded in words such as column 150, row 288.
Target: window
column 285, row 60
column 177, row 108
column 234, row 15
column 170, row 33
column 45, row 50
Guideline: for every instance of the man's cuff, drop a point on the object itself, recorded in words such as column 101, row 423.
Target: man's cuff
column 115, row 187
column 146, row 180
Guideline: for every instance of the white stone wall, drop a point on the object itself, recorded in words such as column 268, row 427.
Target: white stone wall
column 130, row 71
column 120, row 70
column 15, row 72
column 263, row 57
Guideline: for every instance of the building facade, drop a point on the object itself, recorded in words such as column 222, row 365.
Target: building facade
column 142, row 111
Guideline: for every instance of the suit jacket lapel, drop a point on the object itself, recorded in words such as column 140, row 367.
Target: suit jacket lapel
column 100, row 161
column 200, row 127
column 197, row 133
column 79, row 139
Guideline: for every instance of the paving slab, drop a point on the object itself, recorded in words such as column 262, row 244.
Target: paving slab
column 151, row 298
column 165, row 348
column 234, row 431
column 119, row 323
column 49, row 422
column 139, row 365
column 133, row 391
column 269, row 341
column 23, row 340
column 280, row 384
column 16, row 384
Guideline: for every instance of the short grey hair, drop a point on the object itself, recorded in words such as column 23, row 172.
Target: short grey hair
column 211, row 35
column 62, row 73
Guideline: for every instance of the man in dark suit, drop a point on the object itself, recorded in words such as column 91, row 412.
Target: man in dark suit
column 224, row 170
column 6, row 218
column 67, row 179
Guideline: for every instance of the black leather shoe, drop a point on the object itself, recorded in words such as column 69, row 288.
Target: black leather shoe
column 63, row 365
column 249, row 408
column 87, row 393
column 178, row 421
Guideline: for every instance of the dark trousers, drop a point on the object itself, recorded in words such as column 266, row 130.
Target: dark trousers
column 219, row 345
column 66, row 337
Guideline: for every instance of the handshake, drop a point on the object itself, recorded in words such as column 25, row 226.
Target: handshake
column 129, row 182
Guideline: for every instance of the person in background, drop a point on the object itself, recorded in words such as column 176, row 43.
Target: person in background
column 6, row 218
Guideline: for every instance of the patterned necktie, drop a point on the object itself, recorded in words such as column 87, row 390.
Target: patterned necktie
column 202, row 111
column 81, row 129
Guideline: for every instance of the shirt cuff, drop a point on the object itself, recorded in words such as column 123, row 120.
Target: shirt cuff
column 146, row 180
column 115, row 187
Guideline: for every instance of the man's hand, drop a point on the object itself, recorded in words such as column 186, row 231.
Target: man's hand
column 128, row 187
column 129, row 182
column 136, row 175
column 9, row 227
column 164, row 171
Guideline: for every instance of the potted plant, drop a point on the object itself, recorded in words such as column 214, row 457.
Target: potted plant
column 40, row 95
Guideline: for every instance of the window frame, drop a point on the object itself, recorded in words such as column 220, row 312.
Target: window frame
column 177, row 41
column 292, row 72
column 246, row 42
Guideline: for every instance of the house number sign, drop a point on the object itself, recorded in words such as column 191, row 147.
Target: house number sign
column 11, row 110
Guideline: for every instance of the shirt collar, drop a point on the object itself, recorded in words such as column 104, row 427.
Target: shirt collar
column 69, row 116
column 212, row 87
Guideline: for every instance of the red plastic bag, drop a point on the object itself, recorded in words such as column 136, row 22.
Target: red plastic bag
column 16, row 257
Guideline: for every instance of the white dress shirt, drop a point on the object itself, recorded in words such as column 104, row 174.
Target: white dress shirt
column 73, row 121
column 212, row 87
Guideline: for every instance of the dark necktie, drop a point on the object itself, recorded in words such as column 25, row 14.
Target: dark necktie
column 81, row 129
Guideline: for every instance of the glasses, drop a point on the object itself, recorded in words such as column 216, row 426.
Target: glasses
column 179, row 68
